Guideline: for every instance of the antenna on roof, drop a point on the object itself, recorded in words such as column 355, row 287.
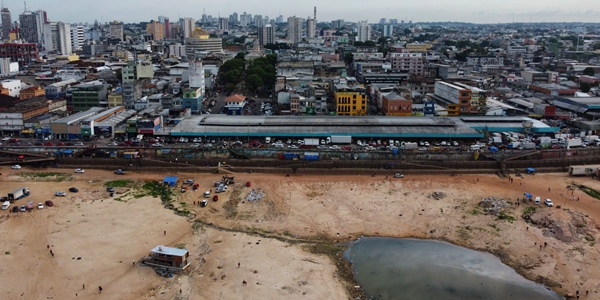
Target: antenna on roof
column 25, row 5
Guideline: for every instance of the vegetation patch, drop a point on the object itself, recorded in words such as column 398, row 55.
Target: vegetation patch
column 47, row 176
column 119, row 183
column 506, row 217
column 529, row 209
column 590, row 191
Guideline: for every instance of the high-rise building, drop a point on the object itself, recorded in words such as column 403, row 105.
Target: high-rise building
column 189, row 24
column 77, row 37
column 279, row 19
column 6, row 22
column 28, row 27
column 57, row 37
column 115, row 29
column 294, row 33
column 157, row 30
column 21, row 53
column 311, row 27
column 388, row 30
column 266, row 35
column 337, row 24
column 233, row 19
column 167, row 28
column 258, row 21
column 363, row 31
column 41, row 19
column 382, row 21
column 394, row 21
column 224, row 23
column 161, row 19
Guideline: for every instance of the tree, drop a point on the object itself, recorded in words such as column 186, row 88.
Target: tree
column 254, row 81
column 382, row 40
column 484, row 44
column 240, row 55
column 369, row 43
column 407, row 31
column 349, row 58
column 463, row 43
column 589, row 71
column 585, row 87
column 358, row 43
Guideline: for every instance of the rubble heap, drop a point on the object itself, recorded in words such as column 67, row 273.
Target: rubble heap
column 493, row 206
column 437, row 195
column 255, row 195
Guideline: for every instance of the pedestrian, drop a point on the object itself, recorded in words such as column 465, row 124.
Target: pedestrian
column 165, row 232
column 75, row 294
column 244, row 282
column 577, row 294
column 540, row 247
column 477, row 179
column 527, row 227
column 100, row 289
column 84, row 286
column 180, row 291
column 548, row 189
column 134, row 262
column 48, row 246
column 51, row 252
column 587, row 292
column 545, row 244
column 238, row 265
column 577, row 198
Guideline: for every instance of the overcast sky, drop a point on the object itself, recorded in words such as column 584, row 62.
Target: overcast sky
column 478, row 11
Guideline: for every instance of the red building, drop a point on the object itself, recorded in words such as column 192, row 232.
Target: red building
column 21, row 53
column 395, row 105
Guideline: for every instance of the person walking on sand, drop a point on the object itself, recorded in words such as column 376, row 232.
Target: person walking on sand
column 84, row 286
column 238, row 265
column 100, row 289
column 52, row 252
column 165, row 232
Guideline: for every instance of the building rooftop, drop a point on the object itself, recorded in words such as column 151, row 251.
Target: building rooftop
column 169, row 251
column 80, row 115
column 235, row 98
column 104, row 113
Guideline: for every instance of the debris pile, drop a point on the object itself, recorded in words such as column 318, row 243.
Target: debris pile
column 493, row 206
column 437, row 195
column 566, row 231
column 255, row 195
column 163, row 272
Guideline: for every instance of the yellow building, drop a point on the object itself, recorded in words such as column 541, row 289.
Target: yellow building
column 157, row 30
column 350, row 101
column 416, row 47
column 115, row 99
column 32, row 92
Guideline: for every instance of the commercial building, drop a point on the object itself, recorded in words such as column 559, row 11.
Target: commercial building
column 167, row 257
column 363, row 31
column 459, row 96
column 115, row 99
column 412, row 63
column 28, row 28
column 104, row 123
column 24, row 54
column 157, row 30
column 7, row 67
column 32, row 92
column 58, row 90
column 194, row 45
column 189, row 24
column 132, row 92
column 70, row 126
column 395, row 105
column 137, row 70
column 6, row 22
column 534, row 77
column 115, row 29
column 337, row 24
column 57, row 37
column 77, row 37
column 294, row 32
column 87, row 95
column 350, row 101
column 266, row 35
column 235, row 104
column 11, row 87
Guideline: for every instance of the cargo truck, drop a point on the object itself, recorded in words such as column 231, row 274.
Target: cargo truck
column 513, row 145
column 590, row 139
column 18, row 193
column 311, row 142
column 410, row 146
column 570, row 143
column 527, row 145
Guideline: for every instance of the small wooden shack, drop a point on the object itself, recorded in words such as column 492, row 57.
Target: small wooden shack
column 167, row 257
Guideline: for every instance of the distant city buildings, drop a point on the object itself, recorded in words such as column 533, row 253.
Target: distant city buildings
column 115, row 29
column 363, row 31
column 294, row 32
column 266, row 35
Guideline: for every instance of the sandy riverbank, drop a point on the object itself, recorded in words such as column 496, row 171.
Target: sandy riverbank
column 108, row 234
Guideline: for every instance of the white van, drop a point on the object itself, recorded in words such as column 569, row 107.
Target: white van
column 267, row 140
column 537, row 201
column 5, row 205
column 475, row 147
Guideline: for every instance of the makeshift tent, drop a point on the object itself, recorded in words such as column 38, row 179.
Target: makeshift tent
column 530, row 170
column 528, row 195
column 170, row 181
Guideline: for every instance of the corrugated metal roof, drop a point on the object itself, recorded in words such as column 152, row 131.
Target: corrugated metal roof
column 169, row 251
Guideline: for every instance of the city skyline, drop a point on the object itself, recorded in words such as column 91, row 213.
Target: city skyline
column 134, row 11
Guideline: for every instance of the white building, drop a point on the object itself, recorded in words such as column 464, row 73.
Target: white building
column 13, row 86
column 57, row 37
column 189, row 24
column 310, row 28
column 363, row 31
column 388, row 30
column 177, row 50
column 77, row 37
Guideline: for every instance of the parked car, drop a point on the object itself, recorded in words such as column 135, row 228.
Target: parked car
column 49, row 144
column 79, row 144
column 398, row 175
column 23, row 208
column 5, row 139
column 49, row 203
column 73, row 190
column 120, row 171
column 189, row 181
column 16, row 167
column 157, row 145
column 196, row 145
column 548, row 202
column 60, row 194
column 79, row 171
column 40, row 205
column 15, row 209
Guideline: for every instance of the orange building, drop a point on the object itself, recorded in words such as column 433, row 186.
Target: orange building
column 394, row 105
column 157, row 30
column 31, row 92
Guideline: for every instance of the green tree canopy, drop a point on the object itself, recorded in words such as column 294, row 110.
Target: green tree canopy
column 589, row 71
column 585, row 87
column 349, row 58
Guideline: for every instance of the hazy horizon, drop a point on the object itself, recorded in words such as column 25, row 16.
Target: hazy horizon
column 133, row 11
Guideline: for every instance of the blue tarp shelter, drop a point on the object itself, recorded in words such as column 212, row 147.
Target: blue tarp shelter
column 493, row 149
column 170, row 181
column 528, row 195
column 530, row 170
